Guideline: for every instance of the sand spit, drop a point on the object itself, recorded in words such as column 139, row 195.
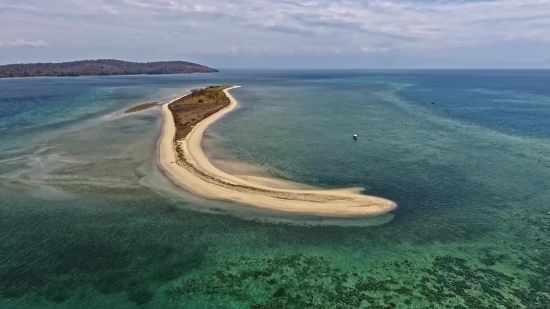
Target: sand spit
column 196, row 174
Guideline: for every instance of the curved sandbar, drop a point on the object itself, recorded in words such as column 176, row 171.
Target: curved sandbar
column 194, row 172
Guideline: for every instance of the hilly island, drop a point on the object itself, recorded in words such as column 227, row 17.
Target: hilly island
column 101, row 67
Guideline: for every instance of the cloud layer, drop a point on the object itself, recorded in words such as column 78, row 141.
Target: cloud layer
column 283, row 27
column 23, row 43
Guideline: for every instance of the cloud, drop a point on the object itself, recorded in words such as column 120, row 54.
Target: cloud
column 406, row 23
column 109, row 9
column 373, row 49
column 23, row 43
column 281, row 26
column 277, row 27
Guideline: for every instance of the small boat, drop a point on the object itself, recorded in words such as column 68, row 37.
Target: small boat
column 355, row 136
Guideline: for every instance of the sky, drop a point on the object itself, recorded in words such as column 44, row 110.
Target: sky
column 281, row 33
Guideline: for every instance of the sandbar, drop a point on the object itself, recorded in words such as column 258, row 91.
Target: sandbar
column 195, row 173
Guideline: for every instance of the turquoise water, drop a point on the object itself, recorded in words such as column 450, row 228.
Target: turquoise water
column 87, row 220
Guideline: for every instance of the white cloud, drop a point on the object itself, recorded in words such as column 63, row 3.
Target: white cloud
column 23, row 43
column 280, row 26
column 109, row 9
column 373, row 49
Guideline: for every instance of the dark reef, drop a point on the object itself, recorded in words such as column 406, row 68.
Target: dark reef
column 305, row 281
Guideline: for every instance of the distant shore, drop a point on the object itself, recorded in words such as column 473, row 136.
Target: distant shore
column 101, row 67
column 185, row 163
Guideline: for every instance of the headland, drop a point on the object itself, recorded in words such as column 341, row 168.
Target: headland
column 183, row 160
column 101, row 67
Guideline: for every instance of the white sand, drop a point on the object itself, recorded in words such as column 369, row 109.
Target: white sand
column 197, row 174
column 275, row 182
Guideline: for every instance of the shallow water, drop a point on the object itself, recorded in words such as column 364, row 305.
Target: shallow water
column 87, row 220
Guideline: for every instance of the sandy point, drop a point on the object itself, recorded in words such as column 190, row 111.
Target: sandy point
column 194, row 172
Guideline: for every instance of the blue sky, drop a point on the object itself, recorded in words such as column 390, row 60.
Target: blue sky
column 281, row 33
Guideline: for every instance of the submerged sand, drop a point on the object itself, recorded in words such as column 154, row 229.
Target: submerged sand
column 195, row 173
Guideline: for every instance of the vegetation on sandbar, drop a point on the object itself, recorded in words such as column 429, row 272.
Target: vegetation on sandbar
column 140, row 107
column 196, row 106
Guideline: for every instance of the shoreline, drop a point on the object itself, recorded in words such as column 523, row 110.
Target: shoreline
column 194, row 172
column 97, row 75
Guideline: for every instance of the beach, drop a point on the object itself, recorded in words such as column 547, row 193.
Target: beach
column 194, row 172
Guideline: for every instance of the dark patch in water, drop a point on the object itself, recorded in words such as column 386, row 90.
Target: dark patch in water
column 90, row 257
column 20, row 280
column 140, row 297
column 305, row 281
column 113, row 282
column 68, row 257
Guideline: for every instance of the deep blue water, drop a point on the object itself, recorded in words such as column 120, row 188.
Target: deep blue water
column 512, row 101
column 508, row 100
column 87, row 220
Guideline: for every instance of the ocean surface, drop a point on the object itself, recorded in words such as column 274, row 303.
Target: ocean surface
column 88, row 221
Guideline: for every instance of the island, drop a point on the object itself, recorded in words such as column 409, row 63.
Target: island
column 101, row 67
column 182, row 159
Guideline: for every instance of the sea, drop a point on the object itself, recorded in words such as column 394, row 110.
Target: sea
column 87, row 219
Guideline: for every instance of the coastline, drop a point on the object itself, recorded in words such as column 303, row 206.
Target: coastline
column 98, row 75
column 195, row 173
